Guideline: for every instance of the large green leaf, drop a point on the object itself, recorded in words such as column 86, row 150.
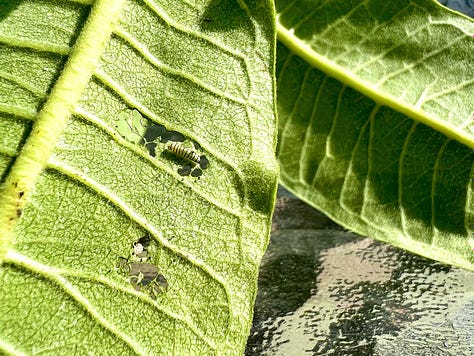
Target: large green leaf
column 375, row 104
column 81, row 84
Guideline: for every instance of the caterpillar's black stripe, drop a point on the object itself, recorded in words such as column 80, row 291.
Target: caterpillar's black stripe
column 184, row 152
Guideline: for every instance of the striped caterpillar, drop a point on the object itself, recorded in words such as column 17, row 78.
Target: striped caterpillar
column 184, row 152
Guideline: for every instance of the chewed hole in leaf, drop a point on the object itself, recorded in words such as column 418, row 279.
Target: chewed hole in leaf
column 137, row 129
column 196, row 173
column 147, row 278
column 172, row 136
column 143, row 275
column 204, row 162
column 153, row 131
column 185, row 170
column 131, row 125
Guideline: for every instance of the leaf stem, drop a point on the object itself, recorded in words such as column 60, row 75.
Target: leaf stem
column 52, row 118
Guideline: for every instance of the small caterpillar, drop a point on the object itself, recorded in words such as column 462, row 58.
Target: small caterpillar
column 184, row 152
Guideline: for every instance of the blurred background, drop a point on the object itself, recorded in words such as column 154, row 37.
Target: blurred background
column 327, row 291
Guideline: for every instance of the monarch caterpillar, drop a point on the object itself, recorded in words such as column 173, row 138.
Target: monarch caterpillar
column 184, row 152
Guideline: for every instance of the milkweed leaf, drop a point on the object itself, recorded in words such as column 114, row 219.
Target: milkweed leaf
column 90, row 91
column 375, row 119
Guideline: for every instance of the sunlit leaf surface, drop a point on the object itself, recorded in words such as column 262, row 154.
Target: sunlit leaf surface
column 375, row 114
column 91, row 95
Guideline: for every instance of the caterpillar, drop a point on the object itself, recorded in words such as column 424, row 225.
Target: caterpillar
column 184, row 152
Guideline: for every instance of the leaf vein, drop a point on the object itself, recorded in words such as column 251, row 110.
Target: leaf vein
column 292, row 110
column 23, row 84
column 37, row 46
column 131, row 102
column 422, row 60
column 358, row 142
column 19, row 112
column 308, row 134
column 89, row 117
column 403, row 153
column 54, row 275
column 158, row 11
column 147, row 226
column 150, row 58
column 335, row 24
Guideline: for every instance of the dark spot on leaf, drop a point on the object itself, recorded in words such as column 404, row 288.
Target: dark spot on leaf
column 184, row 171
column 204, row 162
column 172, row 136
column 176, row 136
column 161, row 280
column 153, row 132
column 146, row 276
column 150, row 147
column 144, row 240
column 196, row 173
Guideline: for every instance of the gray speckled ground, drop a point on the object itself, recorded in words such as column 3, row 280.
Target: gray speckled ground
column 326, row 291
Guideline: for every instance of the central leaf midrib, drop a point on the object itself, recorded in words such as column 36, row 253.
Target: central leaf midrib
column 53, row 117
column 303, row 50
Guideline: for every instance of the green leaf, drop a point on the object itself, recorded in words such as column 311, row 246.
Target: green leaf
column 89, row 94
column 376, row 127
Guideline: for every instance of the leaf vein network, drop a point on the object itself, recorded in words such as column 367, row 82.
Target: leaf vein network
column 376, row 58
column 403, row 154
column 117, row 286
column 420, row 61
column 132, row 102
column 54, row 275
column 121, row 205
column 283, row 69
column 333, row 122
column 450, row 90
column 349, row 169
column 292, row 110
column 239, row 238
column 308, row 134
column 287, row 7
column 340, row 20
column 160, row 12
column 304, row 146
column 150, row 58
column 100, row 124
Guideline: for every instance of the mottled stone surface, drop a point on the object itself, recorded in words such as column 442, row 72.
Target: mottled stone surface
column 324, row 290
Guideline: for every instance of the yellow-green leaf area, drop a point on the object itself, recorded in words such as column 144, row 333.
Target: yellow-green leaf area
column 375, row 119
column 104, row 227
